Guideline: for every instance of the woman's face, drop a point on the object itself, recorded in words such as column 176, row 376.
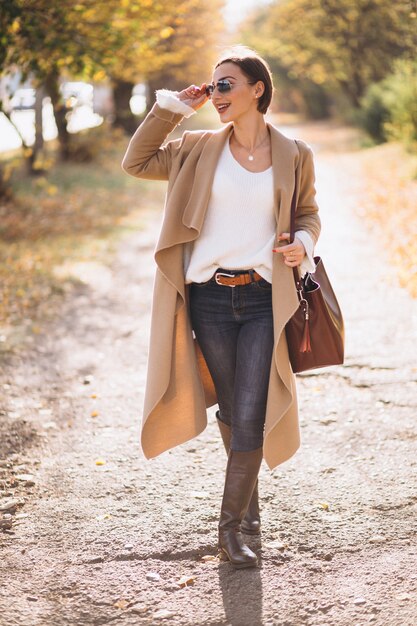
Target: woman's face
column 241, row 100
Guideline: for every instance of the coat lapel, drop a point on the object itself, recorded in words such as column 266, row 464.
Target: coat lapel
column 195, row 209
column 284, row 161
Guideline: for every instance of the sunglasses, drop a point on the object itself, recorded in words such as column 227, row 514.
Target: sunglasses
column 224, row 86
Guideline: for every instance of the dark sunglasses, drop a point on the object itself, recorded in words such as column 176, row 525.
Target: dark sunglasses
column 223, row 86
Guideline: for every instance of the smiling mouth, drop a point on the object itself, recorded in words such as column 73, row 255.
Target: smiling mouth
column 222, row 107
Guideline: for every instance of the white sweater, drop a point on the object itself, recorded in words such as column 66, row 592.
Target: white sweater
column 239, row 228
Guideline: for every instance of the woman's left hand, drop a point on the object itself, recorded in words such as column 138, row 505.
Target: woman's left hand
column 293, row 252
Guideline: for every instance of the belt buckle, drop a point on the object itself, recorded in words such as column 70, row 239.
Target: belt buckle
column 227, row 276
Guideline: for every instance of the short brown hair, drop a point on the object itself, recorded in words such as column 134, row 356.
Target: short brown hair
column 255, row 68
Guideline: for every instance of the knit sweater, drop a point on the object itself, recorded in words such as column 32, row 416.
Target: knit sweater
column 239, row 227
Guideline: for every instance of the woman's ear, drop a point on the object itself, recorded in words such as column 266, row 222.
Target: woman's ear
column 259, row 89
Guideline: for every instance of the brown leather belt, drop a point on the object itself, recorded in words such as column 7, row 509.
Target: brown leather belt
column 231, row 280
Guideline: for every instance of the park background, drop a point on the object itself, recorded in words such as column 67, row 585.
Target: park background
column 70, row 65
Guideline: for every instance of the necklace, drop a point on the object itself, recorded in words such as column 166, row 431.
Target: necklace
column 251, row 152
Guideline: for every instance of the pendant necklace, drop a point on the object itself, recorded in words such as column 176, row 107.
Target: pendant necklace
column 251, row 152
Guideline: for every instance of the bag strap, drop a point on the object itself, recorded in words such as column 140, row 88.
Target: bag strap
column 294, row 202
column 296, row 273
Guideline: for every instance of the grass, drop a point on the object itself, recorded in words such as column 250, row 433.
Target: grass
column 75, row 214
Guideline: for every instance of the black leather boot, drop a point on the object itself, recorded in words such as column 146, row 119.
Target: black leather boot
column 241, row 474
column 251, row 523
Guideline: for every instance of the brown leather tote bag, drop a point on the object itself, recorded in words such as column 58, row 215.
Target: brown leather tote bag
column 315, row 333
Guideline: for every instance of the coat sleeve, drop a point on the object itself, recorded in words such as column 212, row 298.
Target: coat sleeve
column 145, row 156
column 306, row 216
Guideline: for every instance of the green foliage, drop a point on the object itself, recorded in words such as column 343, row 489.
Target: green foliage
column 389, row 108
column 374, row 113
column 402, row 103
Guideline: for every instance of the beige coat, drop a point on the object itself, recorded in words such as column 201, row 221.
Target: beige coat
column 179, row 387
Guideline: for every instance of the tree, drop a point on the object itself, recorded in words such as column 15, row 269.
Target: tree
column 125, row 41
column 43, row 40
column 163, row 44
column 343, row 43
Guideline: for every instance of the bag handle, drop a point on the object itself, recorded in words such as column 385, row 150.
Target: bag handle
column 294, row 201
column 296, row 273
column 305, row 345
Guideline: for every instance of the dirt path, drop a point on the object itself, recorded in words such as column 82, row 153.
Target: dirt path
column 102, row 543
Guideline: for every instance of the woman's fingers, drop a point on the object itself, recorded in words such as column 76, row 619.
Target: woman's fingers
column 293, row 253
column 194, row 96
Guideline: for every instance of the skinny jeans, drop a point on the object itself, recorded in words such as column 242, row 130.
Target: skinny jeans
column 234, row 328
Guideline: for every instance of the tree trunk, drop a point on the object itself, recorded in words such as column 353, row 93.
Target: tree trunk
column 123, row 118
column 60, row 112
column 38, row 145
column 5, row 187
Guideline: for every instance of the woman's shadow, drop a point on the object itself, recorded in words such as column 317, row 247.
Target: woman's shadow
column 242, row 592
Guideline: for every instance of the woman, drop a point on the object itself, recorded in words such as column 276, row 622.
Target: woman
column 224, row 274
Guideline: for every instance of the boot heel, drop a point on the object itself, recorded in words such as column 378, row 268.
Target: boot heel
column 223, row 556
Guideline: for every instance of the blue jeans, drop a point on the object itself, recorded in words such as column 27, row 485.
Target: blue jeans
column 234, row 327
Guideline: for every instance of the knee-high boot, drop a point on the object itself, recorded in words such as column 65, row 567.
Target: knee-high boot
column 241, row 474
column 251, row 523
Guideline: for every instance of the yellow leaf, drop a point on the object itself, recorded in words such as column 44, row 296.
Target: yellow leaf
column 324, row 505
column 100, row 462
column 15, row 26
column 185, row 581
column 121, row 604
column 166, row 32
column 207, row 558
column 94, row 414
column 99, row 75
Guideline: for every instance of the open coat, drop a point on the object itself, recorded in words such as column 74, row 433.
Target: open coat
column 179, row 387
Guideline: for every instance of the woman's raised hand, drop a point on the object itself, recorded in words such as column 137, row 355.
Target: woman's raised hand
column 194, row 96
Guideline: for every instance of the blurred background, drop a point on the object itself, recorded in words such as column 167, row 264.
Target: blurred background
column 78, row 76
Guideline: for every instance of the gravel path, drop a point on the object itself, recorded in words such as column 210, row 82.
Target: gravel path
column 100, row 535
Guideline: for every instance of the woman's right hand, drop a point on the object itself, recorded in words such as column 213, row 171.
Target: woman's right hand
column 194, row 96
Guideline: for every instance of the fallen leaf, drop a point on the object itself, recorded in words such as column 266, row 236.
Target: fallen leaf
column 94, row 413
column 324, row 505
column 207, row 558
column 121, row 604
column 185, row 581
column 327, row 420
column 100, row 462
